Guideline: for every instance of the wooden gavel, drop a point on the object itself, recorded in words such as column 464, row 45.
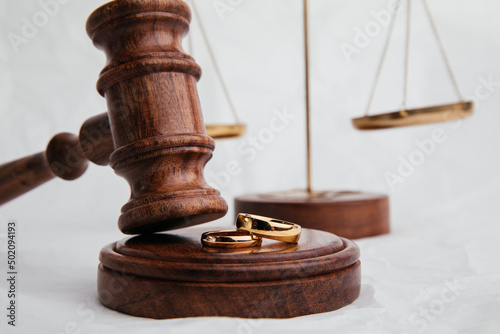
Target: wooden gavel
column 153, row 135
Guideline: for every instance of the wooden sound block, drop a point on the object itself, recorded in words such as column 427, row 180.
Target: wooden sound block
column 348, row 214
column 173, row 276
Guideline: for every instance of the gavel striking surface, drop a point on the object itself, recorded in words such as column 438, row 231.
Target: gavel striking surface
column 172, row 276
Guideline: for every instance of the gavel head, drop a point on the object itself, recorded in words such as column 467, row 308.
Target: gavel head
column 149, row 83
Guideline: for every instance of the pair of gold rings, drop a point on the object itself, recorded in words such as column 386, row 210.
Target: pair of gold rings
column 250, row 231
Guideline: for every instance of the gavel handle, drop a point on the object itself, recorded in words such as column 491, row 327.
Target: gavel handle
column 23, row 175
column 67, row 156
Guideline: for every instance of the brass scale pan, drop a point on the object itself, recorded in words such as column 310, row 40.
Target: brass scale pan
column 220, row 131
column 418, row 116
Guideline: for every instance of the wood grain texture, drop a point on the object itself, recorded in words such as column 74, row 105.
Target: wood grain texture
column 96, row 141
column 149, row 275
column 156, row 122
column 62, row 158
column 65, row 158
column 351, row 215
column 23, row 175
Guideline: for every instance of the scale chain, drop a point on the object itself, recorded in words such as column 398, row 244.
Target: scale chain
column 214, row 62
column 443, row 53
column 382, row 58
column 407, row 56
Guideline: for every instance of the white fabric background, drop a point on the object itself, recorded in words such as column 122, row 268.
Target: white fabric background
column 445, row 216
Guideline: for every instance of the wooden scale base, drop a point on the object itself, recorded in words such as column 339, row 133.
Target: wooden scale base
column 165, row 276
column 348, row 214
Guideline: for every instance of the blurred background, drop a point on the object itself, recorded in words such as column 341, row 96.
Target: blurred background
column 448, row 201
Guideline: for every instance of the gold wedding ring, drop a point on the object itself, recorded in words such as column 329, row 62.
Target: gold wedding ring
column 230, row 239
column 251, row 230
column 269, row 228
